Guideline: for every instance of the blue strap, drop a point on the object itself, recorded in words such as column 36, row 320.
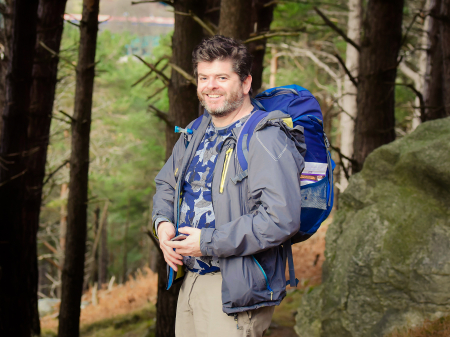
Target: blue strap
column 247, row 132
column 197, row 123
column 257, row 104
column 287, row 252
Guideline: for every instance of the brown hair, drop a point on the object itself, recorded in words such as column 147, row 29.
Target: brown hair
column 220, row 47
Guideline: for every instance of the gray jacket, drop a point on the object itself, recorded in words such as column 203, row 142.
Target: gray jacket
column 253, row 217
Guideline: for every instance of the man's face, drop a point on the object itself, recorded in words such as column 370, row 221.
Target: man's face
column 219, row 88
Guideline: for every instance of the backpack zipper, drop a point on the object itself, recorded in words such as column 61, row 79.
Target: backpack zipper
column 226, row 163
column 277, row 93
column 265, row 277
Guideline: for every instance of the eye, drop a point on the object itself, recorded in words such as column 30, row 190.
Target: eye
column 222, row 78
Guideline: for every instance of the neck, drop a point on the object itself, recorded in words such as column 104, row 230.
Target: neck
column 245, row 109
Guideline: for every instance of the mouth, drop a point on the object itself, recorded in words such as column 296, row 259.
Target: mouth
column 213, row 96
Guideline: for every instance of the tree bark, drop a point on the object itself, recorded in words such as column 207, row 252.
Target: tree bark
column 375, row 122
column 235, row 19
column 349, row 105
column 125, row 246
column 262, row 17
column 103, row 255
column 5, row 39
column 434, row 85
column 18, row 256
column 183, row 108
column 445, row 43
column 49, row 32
column 73, row 271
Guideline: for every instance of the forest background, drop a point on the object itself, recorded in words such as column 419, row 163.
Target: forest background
column 131, row 115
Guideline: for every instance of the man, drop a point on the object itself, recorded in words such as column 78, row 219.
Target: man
column 235, row 227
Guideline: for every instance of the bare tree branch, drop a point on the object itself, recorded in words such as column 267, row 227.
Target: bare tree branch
column 162, row 115
column 199, row 21
column 350, row 76
column 158, row 73
column 183, row 73
column 337, row 29
column 55, row 171
column 14, row 177
column 151, row 70
column 418, row 94
column 67, row 115
column 274, row 34
column 156, row 92
column 57, row 55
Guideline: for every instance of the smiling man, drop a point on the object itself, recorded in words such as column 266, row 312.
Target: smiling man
column 235, row 220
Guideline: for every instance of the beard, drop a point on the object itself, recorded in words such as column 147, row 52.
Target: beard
column 233, row 102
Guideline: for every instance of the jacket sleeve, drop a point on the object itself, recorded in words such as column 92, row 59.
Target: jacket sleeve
column 274, row 171
column 165, row 186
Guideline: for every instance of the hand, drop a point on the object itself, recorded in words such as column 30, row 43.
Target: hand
column 166, row 231
column 189, row 246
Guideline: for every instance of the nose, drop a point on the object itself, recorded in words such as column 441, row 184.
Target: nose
column 212, row 83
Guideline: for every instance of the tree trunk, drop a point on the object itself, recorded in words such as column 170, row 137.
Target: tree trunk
column 347, row 117
column 103, row 255
column 434, row 85
column 234, row 19
column 375, row 122
column 18, row 256
column 261, row 19
column 125, row 246
column 5, row 40
column 445, row 43
column 73, row 271
column 183, row 108
column 49, row 32
column 95, row 263
column 62, row 233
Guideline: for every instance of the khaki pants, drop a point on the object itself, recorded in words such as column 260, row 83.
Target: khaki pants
column 199, row 311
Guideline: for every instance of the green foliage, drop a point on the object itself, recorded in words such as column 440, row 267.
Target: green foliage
column 126, row 145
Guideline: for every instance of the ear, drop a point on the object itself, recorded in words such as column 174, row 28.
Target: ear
column 247, row 84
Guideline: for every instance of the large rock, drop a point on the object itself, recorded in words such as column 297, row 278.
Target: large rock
column 388, row 248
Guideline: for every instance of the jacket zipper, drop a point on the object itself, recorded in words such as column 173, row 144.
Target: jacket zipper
column 265, row 276
column 226, row 163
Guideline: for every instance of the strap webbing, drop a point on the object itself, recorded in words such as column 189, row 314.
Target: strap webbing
column 287, row 252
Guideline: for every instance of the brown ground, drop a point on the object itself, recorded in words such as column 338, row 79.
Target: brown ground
column 138, row 292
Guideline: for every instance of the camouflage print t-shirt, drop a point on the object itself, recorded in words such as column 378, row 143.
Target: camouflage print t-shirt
column 196, row 206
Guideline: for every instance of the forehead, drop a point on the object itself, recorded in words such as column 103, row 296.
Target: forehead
column 216, row 67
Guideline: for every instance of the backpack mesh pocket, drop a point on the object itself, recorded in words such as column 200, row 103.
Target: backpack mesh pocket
column 315, row 195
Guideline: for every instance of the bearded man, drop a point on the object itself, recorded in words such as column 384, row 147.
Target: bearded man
column 235, row 222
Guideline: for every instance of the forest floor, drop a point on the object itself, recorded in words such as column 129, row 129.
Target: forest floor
column 128, row 310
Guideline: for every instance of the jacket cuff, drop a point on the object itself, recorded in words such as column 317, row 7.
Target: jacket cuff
column 205, row 241
column 156, row 224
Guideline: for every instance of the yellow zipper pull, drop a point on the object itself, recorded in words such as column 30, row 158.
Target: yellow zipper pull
column 225, row 168
column 271, row 295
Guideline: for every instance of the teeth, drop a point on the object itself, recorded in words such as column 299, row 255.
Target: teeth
column 214, row 96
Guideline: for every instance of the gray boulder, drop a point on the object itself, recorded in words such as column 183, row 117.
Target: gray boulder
column 388, row 249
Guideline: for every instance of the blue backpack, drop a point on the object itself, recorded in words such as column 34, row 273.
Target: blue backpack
column 317, row 177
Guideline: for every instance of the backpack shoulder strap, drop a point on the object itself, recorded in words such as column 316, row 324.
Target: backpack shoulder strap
column 197, row 123
column 243, row 142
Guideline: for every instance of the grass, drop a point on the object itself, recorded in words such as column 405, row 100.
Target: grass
column 140, row 323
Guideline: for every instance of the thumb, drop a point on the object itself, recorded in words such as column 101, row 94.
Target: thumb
column 186, row 230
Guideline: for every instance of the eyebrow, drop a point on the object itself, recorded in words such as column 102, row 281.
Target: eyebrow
column 215, row 75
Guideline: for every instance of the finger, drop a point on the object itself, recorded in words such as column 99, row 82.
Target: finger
column 175, row 244
column 187, row 230
column 173, row 266
column 169, row 251
column 174, row 261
